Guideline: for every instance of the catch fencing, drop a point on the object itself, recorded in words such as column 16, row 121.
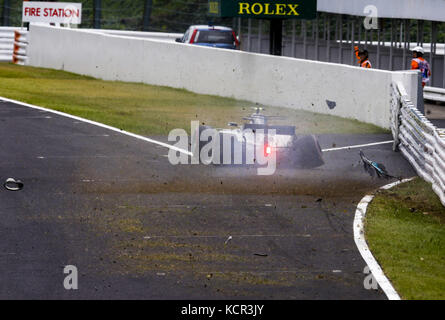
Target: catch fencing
column 418, row 139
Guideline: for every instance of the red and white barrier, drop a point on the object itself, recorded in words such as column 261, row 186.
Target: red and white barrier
column 19, row 55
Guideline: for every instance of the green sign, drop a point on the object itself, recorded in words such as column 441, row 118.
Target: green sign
column 264, row 9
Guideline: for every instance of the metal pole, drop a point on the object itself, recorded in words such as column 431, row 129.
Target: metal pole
column 418, row 32
column 405, row 43
column 432, row 50
column 249, row 27
column 260, row 34
column 305, row 39
column 276, row 37
column 366, row 38
column 317, row 43
column 378, row 43
column 337, row 24
column 340, row 53
column 325, row 18
column 97, row 13
column 147, row 14
column 443, row 72
column 391, row 52
column 328, row 40
column 6, row 12
column 421, row 32
column 352, row 42
column 401, row 35
column 293, row 38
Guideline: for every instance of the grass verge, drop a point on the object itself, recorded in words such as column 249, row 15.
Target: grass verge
column 405, row 230
column 145, row 109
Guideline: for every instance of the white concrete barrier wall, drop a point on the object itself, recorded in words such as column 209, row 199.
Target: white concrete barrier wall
column 171, row 37
column 273, row 81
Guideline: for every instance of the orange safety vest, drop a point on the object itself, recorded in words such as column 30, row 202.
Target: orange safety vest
column 424, row 67
column 363, row 63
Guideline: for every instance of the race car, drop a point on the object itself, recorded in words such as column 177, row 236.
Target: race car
column 254, row 136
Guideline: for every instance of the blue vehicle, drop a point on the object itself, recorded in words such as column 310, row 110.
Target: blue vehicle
column 211, row 36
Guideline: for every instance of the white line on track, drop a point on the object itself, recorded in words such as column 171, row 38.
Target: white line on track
column 159, row 143
column 30, row 117
column 358, row 146
column 233, row 237
column 360, row 241
column 90, row 156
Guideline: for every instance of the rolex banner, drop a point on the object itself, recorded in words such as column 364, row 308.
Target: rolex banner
column 264, row 9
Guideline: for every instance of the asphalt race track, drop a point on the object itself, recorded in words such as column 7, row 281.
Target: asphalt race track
column 137, row 227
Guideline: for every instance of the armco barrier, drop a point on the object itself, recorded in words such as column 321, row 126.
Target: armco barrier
column 418, row 139
column 268, row 80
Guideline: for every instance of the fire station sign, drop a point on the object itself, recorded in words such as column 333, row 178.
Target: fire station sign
column 264, row 9
column 52, row 12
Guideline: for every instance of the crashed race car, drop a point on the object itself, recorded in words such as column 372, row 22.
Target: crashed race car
column 255, row 142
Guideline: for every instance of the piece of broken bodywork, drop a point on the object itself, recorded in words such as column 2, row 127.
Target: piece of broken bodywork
column 13, row 185
column 375, row 169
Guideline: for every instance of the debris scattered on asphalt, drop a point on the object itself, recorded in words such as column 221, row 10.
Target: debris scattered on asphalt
column 228, row 239
column 375, row 169
column 160, row 274
column 260, row 254
column 13, row 185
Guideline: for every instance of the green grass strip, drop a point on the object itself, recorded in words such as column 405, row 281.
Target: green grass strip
column 405, row 230
column 146, row 109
